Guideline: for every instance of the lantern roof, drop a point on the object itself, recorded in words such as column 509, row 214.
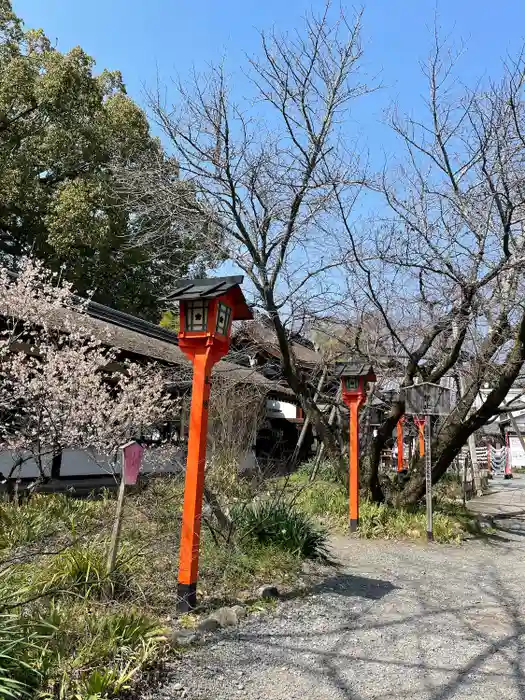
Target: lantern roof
column 211, row 288
column 355, row 368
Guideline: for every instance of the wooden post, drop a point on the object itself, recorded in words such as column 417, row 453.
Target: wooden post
column 129, row 472
column 354, row 464
column 319, row 454
column 115, row 535
column 194, row 485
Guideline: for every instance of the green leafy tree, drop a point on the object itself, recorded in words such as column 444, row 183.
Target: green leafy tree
column 170, row 321
column 64, row 133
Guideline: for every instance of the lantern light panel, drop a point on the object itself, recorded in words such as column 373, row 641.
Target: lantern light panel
column 351, row 383
column 223, row 318
column 196, row 315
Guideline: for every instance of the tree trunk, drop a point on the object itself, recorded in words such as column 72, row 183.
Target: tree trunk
column 301, row 390
column 306, row 424
column 371, row 484
column 458, row 428
column 56, row 465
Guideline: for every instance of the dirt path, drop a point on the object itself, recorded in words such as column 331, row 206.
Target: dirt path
column 397, row 621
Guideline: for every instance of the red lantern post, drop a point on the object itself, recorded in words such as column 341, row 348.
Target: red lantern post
column 420, row 424
column 400, row 445
column 207, row 308
column 354, row 380
column 508, row 457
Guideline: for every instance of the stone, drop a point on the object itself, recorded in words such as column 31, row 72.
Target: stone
column 178, row 687
column 183, row 638
column 239, row 611
column 209, row 624
column 226, row 617
column 268, row 592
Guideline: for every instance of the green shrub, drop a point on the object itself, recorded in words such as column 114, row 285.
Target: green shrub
column 328, row 501
column 239, row 566
column 279, row 524
column 94, row 652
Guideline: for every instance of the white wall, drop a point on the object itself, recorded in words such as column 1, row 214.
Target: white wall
column 280, row 409
column 84, row 463
column 517, row 454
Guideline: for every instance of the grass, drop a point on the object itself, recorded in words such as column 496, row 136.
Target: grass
column 43, row 517
column 81, row 569
column 327, row 501
column 72, row 651
column 70, row 631
column 18, row 676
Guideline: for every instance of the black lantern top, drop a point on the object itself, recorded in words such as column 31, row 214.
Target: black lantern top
column 356, row 369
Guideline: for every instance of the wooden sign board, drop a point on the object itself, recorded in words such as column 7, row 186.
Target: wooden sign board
column 132, row 454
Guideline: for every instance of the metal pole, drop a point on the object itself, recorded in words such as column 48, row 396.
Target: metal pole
column 428, row 477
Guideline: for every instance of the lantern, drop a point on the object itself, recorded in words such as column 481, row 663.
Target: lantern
column 207, row 309
column 355, row 378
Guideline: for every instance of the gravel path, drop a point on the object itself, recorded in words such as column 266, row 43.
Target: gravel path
column 396, row 621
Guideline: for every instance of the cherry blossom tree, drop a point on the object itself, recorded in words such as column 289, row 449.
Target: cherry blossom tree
column 59, row 386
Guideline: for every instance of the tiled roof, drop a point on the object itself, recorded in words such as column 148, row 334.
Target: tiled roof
column 134, row 335
column 263, row 337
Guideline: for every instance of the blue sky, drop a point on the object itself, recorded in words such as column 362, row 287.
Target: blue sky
column 171, row 36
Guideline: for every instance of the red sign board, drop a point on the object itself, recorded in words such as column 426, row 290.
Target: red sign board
column 131, row 461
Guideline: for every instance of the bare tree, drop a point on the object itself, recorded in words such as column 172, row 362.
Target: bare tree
column 264, row 173
column 444, row 267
